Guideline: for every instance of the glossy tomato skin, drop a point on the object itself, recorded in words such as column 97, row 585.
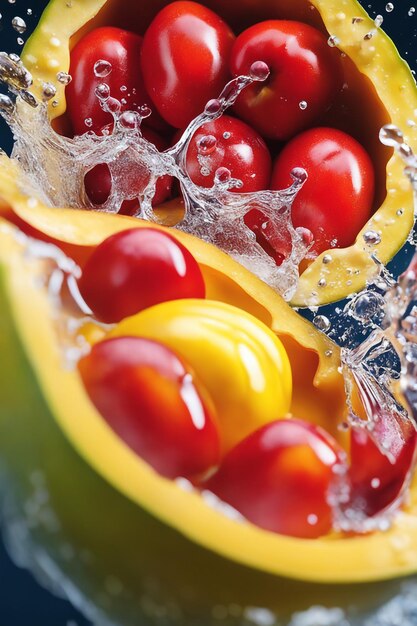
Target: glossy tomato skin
column 135, row 269
column 122, row 49
column 303, row 68
column 279, row 477
column 151, row 399
column 336, row 200
column 376, row 482
column 185, row 58
column 238, row 148
column 98, row 181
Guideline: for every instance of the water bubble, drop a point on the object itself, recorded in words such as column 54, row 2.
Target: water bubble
column 389, row 7
column 113, row 105
column 322, row 282
column 29, row 11
column 205, row 171
column 212, row 107
column 130, row 120
column 327, row 259
column 48, row 91
column 299, row 174
column 207, row 145
column 226, row 135
column 102, row 91
column 303, row 105
column 366, row 306
column 321, row 322
column 20, row 41
column 64, row 78
column 222, row 175
column 372, row 238
column 333, row 41
column 123, row 88
column 102, row 68
column 88, row 122
column 19, row 24
column 411, row 11
column 259, row 70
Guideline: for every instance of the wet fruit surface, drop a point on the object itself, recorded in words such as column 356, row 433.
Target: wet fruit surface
column 279, row 478
column 136, row 269
column 151, row 400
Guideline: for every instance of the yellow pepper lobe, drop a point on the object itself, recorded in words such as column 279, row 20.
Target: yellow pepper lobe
column 240, row 361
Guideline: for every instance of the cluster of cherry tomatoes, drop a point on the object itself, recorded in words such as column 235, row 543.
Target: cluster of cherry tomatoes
column 278, row 476
column 186, row 56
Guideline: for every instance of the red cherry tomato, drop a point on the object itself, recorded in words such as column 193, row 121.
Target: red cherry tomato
column 336, row 201
column 152, row 401
column 230, row 143
column 135, row 269
column 279, row 476
column 304, row 69
column 376, row 481
column 185, row 58
column 98, row 181
column 122, row 50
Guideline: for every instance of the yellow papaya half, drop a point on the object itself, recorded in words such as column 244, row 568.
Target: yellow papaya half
column 380, row 90
column 125, row 542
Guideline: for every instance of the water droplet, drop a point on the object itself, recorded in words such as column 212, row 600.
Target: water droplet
column 369, row 35
column 12, row 1
column 212, row 107
column 88, row 122
column 322, row 282
column 130, row 120
column 389, row 7
column 20, row 41
column 102, row 68
column 327, row 259
column 19, row 24
column 303, row 105
column 312, row 519
column 333, row 41
column 222, row 175
column 204, row 171
column 28, row 97
column 400, row 212
column 378, row 20
column 390, row 135
column 64, row 78
column 113, row 105
column 102, row 91
column 55, row 103
column 328, row 353
column 321, row 322
column 411, row 11
column 259, row 70
column 299, row 174
column 226, row 135
column 375, row 483
column 372, row 238
column 48, row 91
column 29, row 11
column 366, row 306
column 207, row 145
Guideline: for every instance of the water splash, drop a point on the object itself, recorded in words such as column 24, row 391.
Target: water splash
column 56, row 167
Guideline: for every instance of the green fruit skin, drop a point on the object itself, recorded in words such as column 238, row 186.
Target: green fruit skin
column 113, row 560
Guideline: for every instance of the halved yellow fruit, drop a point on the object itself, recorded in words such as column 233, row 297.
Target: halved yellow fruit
column 381, row 90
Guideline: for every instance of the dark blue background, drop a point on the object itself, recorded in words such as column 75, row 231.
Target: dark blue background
column 22, row 601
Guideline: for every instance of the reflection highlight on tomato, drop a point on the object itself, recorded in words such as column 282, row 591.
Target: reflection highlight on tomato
column 336, row 200
column 153, row 402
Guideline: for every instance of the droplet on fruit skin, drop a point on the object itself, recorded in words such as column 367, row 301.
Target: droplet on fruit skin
column 64, row 78
column 259, row 71
column 48, row 91
column 333, row 41
column 372, row 238
column 207, row 145
column 102, row 68
column 303, row 105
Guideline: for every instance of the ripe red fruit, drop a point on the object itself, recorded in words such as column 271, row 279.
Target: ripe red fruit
column 336, row 200
column 230, row 143
column 303, row 69
column 279, row 477
column 151, row 399
column 185, row 58
column 122, row 50
column 135, row 269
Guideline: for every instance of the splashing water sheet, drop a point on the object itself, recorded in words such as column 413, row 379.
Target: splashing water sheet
column 377, row 328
